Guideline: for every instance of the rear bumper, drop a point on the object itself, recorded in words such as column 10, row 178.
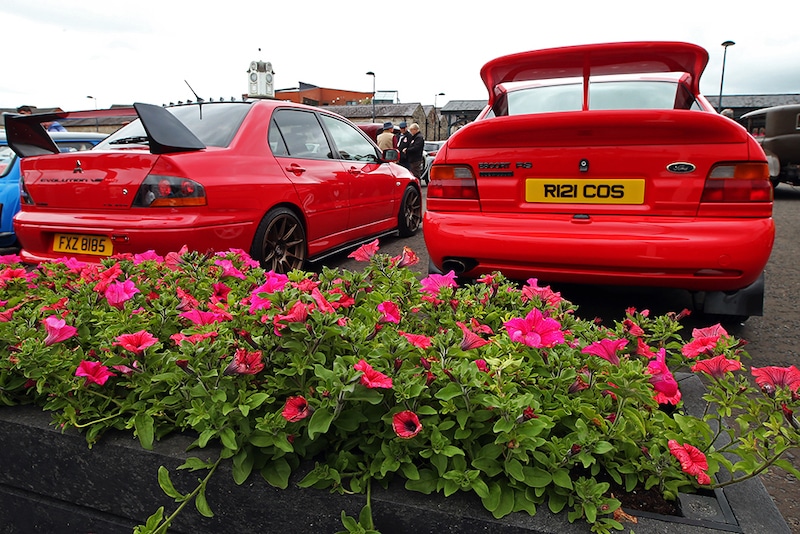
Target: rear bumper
column 139, row 234
column 698, row 254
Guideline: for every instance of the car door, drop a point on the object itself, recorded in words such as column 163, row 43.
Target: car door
column 299, row 143
column 372, row 184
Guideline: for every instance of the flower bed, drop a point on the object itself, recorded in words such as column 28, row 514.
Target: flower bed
column 493, row 390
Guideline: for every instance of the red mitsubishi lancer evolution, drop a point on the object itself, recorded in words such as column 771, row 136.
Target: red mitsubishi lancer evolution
column 603, row 164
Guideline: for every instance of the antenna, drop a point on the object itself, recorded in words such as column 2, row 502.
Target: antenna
column 192, row 90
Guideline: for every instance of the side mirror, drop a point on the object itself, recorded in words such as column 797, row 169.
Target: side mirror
column 391, row 155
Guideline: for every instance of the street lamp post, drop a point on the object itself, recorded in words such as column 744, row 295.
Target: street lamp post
column 436, row 114
column 96, row 123
column 726, row 44
column 370, row 73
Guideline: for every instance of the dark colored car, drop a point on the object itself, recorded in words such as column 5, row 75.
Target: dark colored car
column 9, row 175
column 778, row 130
column 604, row 164
column 289, row 183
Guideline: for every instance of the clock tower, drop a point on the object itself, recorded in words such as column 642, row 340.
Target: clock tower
column 260, row 80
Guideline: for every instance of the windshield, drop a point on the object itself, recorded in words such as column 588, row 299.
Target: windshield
column 6, row 159
column 214, row 124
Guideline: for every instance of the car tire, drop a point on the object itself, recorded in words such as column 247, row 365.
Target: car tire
column 409, row 219
column 280, row 244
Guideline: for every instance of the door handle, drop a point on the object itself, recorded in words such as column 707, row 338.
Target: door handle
column 296, row 169
column 355, row 171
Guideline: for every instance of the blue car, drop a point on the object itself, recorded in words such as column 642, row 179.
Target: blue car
column 9, row 176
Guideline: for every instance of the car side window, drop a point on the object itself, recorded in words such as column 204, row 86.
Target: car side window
column 350, row 142
column 300, row 134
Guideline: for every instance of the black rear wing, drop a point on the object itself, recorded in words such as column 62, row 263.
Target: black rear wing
column 165, row 134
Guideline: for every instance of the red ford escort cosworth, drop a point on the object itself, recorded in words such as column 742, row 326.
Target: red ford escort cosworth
column 604, row 164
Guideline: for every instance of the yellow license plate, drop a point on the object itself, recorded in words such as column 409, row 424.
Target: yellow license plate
column 83, row 244
column 595, row 191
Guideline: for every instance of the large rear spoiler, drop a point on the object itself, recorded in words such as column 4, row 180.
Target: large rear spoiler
column 27, row 136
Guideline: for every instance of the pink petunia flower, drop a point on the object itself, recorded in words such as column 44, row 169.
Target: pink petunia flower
column 704, row 340
column 667, row 391
column 406, row 424
column 322, row 303
column 419, row 341
column 406, row 259
column 772, row 377
column 245, row 363
column 118, row 293
column 229, row 269
column 297, row 314
column 372, row 378
column 693, row 462
column 136, row 342
column 149, row 255
column 433, row 283
column 202, row 318
column 296, row 409
column 390, row 312
column 57, row 330
column 179, row 337
column 717, row 366
column 535, row 330
column 482, row 365
column 365, row 252
column 95, row 372
column 606, row 349
column 544, row 293
column 471, row 340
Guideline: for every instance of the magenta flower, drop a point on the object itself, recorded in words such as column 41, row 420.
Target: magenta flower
column 118, row 293
column 296, row 409
column 245, row 363
column 372, row 378
column 57, row 330
column 704, row 340
column 95, row 372
column 322, row 303
column 365, row 252
column 772, row 377
column 535, row 330
column 275, row 282
column 419, row 341
column 717, row 366
column 544, row 293
column 693, row 462
column 433, row 283
column 390, row 312
column 193, row 338
column 471, row 340
column 149, row 255
column 137, row 342
column 406, row 424
column 482, row 365
column 297, row 314
column 202, row 318
column 228, row 269
column 606, row 349
column 663, row 381
column 406, row 259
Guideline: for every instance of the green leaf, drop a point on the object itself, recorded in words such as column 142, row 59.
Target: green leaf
column 536, row 477
column 166, row 484
column 514, row 468
column 492, row 500
column 503, row 425
column 201, row 503
column 319, row 423
column 602, row 447
column 450, row 391
column 242, row 466
column 144, row 430
column 277, row 473
column 228, row 438
column 365, row 517
column 257, row 399
column 561, row 478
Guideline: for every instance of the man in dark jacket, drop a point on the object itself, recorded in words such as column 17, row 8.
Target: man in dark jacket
column 401, row 141
column 416, row 145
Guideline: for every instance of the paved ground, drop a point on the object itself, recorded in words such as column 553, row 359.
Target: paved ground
column 774, row 339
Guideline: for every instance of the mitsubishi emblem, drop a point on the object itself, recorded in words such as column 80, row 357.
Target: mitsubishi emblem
column 77, row 169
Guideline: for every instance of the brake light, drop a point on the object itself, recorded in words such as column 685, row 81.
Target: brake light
column 24, row 195
column 738, row 182
column 169, row 191
column 452, row 181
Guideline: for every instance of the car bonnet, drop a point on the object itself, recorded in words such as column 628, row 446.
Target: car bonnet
column 596, row 60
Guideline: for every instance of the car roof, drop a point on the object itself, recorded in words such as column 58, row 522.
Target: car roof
column 764, row 111
column 597, row 60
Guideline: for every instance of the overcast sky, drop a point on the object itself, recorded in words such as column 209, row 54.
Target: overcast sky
column 58, row 52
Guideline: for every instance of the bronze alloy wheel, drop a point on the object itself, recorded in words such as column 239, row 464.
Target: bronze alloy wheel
column 280, row 243
column 410, row 216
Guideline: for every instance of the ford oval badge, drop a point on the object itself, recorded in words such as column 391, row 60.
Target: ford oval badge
column 681, row 167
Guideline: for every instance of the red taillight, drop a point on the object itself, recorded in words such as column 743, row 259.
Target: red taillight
column 738, row 182
column 452, row 181
column 169, row 191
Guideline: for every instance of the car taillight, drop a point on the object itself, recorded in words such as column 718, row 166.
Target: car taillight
column 738, row 182
column 24, row 195
column 452, row 181
column 169, row 191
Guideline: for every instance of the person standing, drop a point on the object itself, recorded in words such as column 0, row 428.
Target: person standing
column 414, row 152
column 386, row 137
column 401, row 141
